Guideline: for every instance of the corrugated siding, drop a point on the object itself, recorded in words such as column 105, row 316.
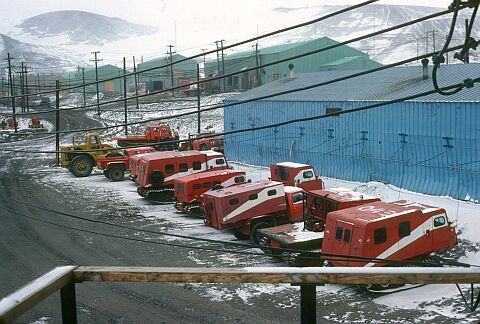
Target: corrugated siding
column 438, row 154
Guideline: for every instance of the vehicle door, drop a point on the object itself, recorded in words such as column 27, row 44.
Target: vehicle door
column 342, row 242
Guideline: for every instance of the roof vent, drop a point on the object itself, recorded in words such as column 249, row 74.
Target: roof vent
column 425, row 68
column 290, row 67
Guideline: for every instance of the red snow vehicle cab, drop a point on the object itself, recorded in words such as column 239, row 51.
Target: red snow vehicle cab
column 190, row 188
column 158, row 136
column 159, row 169
column 296, row 175
column 245, row 208
column 114, row 165
column 211, row 143
column 35, row 123
column 398, row 230
column 308, row 234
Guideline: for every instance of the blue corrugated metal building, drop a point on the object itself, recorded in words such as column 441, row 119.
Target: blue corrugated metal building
column 430, row 144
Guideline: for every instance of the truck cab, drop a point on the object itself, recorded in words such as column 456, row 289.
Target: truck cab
column 399, row 230
column 296, row 175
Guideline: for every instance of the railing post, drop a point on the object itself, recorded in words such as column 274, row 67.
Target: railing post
column 308, row 303
column 69, row 304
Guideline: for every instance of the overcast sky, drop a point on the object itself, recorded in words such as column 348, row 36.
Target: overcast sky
column 150, row 11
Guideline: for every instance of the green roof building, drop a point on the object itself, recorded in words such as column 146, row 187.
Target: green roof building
column 114, row 87
column 161, row 78
column 339, row 58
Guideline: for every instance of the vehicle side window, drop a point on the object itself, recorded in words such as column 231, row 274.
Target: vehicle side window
column 183, row 167
column 272, row 192
column 93, row 140
column 253, row 197
column 216, row 182
column 180, row 187
column 233, row 201
column 219, row 161
column 169, row 169
column 155, row 129
column 207, row 185
column 197, row 165
column 197, row 186
column 296, row 197
column 142, row 168
column 307, row 174
column 239, row 179
column 346, row 236
column 404, row 229
column 380, row 235
column 338, row 233
column 439, row 221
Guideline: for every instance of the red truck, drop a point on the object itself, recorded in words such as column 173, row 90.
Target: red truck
column 296, row 175
column 399, row 230
column 307, row 234
column 248, row 207
column 190, row 188
column 158, row 170
column 159, row 136
column 215, row 143
column 114, row 165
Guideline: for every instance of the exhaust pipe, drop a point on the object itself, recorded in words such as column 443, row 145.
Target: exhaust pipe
column 425, row 68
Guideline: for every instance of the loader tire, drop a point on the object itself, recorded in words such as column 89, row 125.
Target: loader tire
column 81, row 166
column 255, row 237
column 116, row 173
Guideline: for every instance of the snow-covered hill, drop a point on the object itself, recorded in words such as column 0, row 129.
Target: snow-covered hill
column 42, row 58
column 82, row 27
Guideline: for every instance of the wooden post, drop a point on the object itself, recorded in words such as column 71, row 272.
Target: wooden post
column 308, row 303
column 69, row 304
column 57, row 122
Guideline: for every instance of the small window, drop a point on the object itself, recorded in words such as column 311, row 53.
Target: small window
column 183, row 167
column 233, row 201
column 207, row 185
column 169, row 169
column 240, row 179
column 197, row 186
column 308, row 174
column 272, row 192
column 155, row 129
column 197, row 165
column 180, row 187
column 338, row 234
column 439, row 221
column 380, row 235
column 404, row 229
column 219, row 161
column 346, row 236
column 253, row 197
column 164, row 129
column 142, row 168
column 216, row 182
column 332, row 111
column 297, row 197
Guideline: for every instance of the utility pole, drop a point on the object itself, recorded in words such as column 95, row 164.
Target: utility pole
column 198, row 99
column 223, row 66
column 426, row 42
column 27, row 93
column 257, row 62
column 125, row 105
column 38, row 82
column 84, row 91
column 136, row 81
column 12, row 94
column 204, row 61
column 96, row 60
column 57, row 121
column 467, row 52
column 171, row 65
column 218, row 63
column 433, row 40
column 446, row 53
column 22, row 89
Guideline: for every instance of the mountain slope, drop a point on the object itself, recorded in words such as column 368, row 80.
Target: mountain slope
column 82, row 27
column 47, row 58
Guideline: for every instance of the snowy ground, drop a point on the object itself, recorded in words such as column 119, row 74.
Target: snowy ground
column 435, row 301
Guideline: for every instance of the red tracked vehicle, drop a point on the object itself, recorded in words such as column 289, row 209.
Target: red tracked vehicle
column 158, row 136
column 114, row 165
column 398, row 230
column 309, row 233
column 190, row 188
column 215, row 143
column 248, row 207
column 158, row 170
column 296, row 175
